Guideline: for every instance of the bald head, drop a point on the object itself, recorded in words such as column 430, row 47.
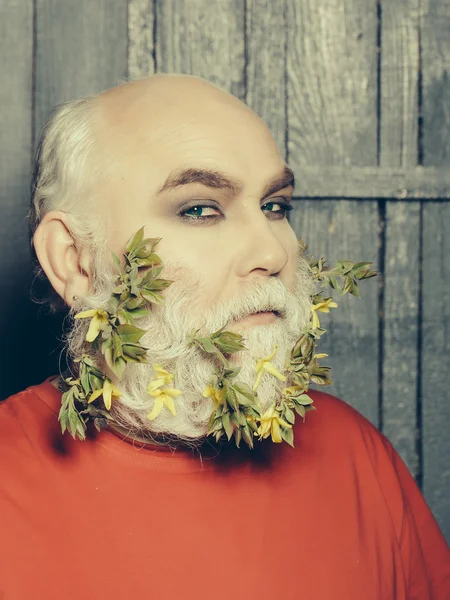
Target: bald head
column 175, row 118
column 164, row 92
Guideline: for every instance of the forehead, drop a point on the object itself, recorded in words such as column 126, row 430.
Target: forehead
column 218, row 133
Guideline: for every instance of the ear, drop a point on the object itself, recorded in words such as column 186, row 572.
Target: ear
column 68, row 269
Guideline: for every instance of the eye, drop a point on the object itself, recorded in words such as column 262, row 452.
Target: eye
column 199, row 212
column 278, row 208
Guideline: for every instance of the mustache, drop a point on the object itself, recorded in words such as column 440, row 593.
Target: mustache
column 260, row 296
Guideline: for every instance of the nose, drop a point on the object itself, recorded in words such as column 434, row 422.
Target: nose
column 261, row 251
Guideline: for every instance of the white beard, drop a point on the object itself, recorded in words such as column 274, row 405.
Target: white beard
column 168, row 328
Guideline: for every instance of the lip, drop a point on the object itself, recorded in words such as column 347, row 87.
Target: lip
column 260, row 318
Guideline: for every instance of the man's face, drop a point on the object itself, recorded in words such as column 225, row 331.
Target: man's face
column 229, row 229
column 198, row 169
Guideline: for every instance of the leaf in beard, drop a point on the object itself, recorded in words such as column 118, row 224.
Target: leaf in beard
column 244, row 390
column 135, row 240
column 130, row 333
column 227, row 425
column 248, row 438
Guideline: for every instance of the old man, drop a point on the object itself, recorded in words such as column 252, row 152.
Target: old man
column 159, row 216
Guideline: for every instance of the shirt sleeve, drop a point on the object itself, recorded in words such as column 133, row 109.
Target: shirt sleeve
column 425, row 553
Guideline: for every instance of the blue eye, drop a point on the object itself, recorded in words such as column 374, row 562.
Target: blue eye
column 196, row 213
column 281, row 213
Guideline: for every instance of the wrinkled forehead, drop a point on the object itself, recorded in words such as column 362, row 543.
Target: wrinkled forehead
column 156, row 134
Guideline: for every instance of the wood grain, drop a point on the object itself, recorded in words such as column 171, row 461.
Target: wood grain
column 332, row 108
column 81, row 49
column 399, row 119
column 436, row 265
column 398, row 183
column 141, row 45
column 332, row 82
column 203, row 38
column 265, row 68
column 16, row 74
column 351, row 341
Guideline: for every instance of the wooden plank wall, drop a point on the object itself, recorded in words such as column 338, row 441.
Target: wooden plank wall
column 357, row 96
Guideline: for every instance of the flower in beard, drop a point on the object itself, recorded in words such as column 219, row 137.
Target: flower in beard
column 164, row 394
column 321, row 306
column 216, row 395
column 108, row 391
column 264, row 365
column 99, row 322
column 270, row 424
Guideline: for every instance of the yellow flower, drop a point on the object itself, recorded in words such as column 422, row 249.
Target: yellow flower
column 270, row 425
column 321, row 307
column 215, row 394
column 108, row 391
column 98, row 322
column 155, row 385
column 165, row 398
column 293, row 390
column 163, row 395
column 163, row 374
column 264, row 364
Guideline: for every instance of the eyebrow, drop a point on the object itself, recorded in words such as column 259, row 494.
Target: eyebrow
column 217, row 180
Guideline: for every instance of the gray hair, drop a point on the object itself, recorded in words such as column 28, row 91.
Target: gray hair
column 66, row 169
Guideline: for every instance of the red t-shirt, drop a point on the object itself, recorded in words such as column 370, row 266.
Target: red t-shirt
column 337, row 518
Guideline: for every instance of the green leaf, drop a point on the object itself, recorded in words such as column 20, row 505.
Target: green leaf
column 85, row 384
column 153, row 273
column 118, row 367
column 237, row 437
column 304, row 400
column 248, row 437
column 231, row 373
column 232, row 399
column 289, row 415
column 334, row 283
column 135, row 240
column 234, row 417
column 320, row 380
column 76, row 425
column 129, row 333
column 145, row 248
column 95, row 382
column 134, row 303
column 207, row 345
column 149, row 261
column 116, row 261
column 112, row 305
column 227, row 425
column 242, row 419
column 288, row 436
column 117, row 347
column 229, row 342
column 157, row 285
column 151, row 297
column 344, row 266
column 138, row 313
column 134, row 353
column 300, row 410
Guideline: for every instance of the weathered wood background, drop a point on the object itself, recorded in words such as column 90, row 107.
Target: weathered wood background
column 357, row 94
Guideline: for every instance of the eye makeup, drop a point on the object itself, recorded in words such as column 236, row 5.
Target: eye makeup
column 198, row 207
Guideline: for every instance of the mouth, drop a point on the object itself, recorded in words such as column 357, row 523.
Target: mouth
column 262, row 317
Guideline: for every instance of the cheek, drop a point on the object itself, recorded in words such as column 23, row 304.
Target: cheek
column 204, row 262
